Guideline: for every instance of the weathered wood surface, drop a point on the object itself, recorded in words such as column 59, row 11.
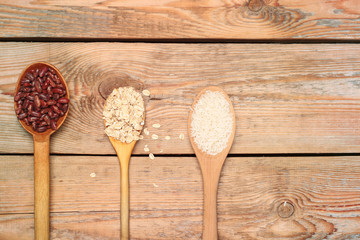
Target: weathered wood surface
column 185, row 19
column 166, row 198
column 287, row 98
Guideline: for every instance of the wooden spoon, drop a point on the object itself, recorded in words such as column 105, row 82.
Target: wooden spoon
column 123, row 151
column 211, row 166
column 41, row 161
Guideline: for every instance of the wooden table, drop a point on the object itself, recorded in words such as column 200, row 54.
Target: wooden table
column 291, row 68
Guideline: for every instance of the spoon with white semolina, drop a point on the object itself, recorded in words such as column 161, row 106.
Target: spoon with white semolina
column 211, row 165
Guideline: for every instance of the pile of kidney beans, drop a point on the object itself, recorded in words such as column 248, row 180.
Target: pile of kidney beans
column 41, row 99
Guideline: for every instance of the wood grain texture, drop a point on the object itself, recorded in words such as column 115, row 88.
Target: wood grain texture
column 166, row 198
column 287, row 98
column 189, row 19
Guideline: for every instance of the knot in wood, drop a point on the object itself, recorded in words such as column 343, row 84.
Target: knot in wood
column 108, row 84
column 255, row 5
column 286, row 209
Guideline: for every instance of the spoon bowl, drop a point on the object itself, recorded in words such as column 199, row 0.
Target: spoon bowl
column 61, row 120
column 41, row 160
column 211, row 166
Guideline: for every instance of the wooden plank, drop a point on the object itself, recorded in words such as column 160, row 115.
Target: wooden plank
column 243, row 19
column 287, row 98
column 166, row 198
column 102, row 226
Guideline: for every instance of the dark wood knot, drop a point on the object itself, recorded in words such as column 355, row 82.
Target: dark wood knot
column 255, row 5
column 285, row 209
column 116, row 81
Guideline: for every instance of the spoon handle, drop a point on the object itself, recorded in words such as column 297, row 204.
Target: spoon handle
column 210, row 183
column 41, row 183
column 124, row 206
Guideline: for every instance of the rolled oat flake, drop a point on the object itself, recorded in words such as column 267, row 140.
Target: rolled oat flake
column 124, row 114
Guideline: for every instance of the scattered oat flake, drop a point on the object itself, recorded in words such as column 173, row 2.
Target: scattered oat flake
column 92, row 174
column 141, row 137
column 154, row 136
column 167, row 138
column 161, row 150
column 151, row 156
column 155, row 185
column 156, row 125
column 181, row 136
column 146, row 131
column 146, row 149
column 146, row 92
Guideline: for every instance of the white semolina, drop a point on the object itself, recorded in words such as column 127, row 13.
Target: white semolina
column 211, row 122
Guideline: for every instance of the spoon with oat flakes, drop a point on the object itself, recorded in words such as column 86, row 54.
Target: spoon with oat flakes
column 124, row 115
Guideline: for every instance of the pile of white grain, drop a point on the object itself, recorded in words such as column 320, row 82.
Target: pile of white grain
column 211, row 122
column 124, row 114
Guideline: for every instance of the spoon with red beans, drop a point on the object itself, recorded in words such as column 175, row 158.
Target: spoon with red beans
column 41, row 105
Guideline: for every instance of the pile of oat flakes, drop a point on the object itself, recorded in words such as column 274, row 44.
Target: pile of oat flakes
column 124, row 115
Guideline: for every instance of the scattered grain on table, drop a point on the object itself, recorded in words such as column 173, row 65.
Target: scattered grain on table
column 146, row 92
column 146, row 131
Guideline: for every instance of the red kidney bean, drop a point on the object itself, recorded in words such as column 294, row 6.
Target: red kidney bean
column 29, row 76
column 57, row 90
column 55, row 116
column 36, row 73
column 18, row 96
column 30, row 107
column 43, row 71
column 47, row 119
column 22, row 116
column 26, row 104
column 51, row 102
column 34, row 125
column 55, row 109
column 65, row 107
column 52, row 70
column 31, row 98
column 42, row 129
column 51, row 114
column 26, row 84
column 18, row 110
column 42, row 124
column 27, row 89
column 43, row 104
column 51, row 82
column 35, row 114
column 33, row 119
column 26, row 121
column 56, row 96
column 61, row 113
column 45, row 110
column 45, row 85
column 37, row 85
column 63, row 100
column 43, row 97
column 24, row 80
column 49, row 91
column 53, row 124
column 37, row 101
